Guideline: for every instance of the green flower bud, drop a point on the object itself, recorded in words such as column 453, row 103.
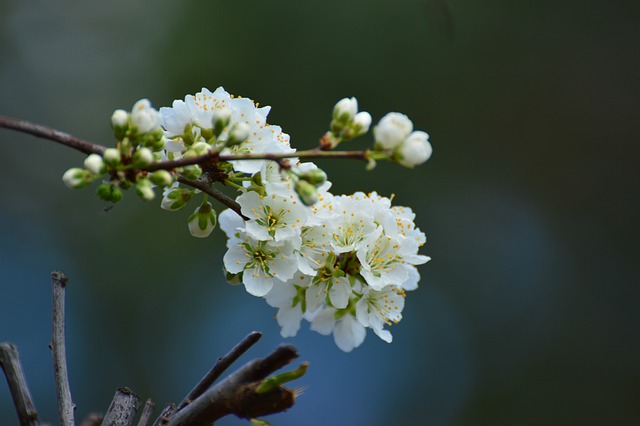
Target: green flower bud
column 142, row 157
column 307, row 192
column 94, row 164
column 176, row 199
column 76, row 178
column 144, row 190
column 192, row 172
column 315, row 177
column 239, row 133
column 109, row 192
column 161, row 178
column 112, row 157
column 202, row 221
column 120, row 123
column 221, row 119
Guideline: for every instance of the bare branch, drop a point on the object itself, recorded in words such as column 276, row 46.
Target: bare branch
column 236, row 394
column 220, row 366
column 58, row 350
column 51, row 134
column 308, row 154
column 10, row 363
column 122, row 409
column 146, row 413
column 206, row 187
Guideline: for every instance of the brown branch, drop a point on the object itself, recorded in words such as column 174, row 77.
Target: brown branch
column 58, row 350
column 122, row 409
column 308, row 154
column 221, row 365
column 236, row 394
column 51, row 134
column 10, row 363
column 205, row 186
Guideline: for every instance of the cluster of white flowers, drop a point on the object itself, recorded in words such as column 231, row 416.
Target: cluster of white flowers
column 344, row 264
column 240, row 123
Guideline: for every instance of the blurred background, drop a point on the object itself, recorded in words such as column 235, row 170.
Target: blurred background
column 527, row 314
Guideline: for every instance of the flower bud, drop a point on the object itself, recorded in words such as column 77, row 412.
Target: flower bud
column 239, row 133
column 191, row 172
column 109, row 192
column 77, row 178
column 161, row 178
column 111, row 157
column 94, row 164
column 119, row 118
column 202, row 221
column 220, row 120
column 119, row 123
column 142, row 157
column 361, row 123
column 315, row 177
column 392, row 129
column 415, row 150
column 345, row 109
column 307, row 192
column 176, row 198
column 144, row 117
column 144, row 190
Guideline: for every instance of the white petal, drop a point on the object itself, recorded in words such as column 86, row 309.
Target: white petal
column 349, row 333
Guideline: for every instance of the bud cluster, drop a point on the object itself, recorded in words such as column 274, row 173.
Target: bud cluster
column 394, row 136
column 347, row 122
column 139, row 142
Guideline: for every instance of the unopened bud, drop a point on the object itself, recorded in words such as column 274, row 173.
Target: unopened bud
column 239, row 133
column 307, row 192
column 220, row 120
column 144, row 117
column 315, row 177
column 109, row 192
column 94, row 164
column 414, row 150
column 392, row 129
column 161, row 178
column 202, row 221
column 112, row 157
column 345, row 109
column 176, row 198
column 144, row 190
column 119, row 123
column 361, row 123
column 142, row 157
column 191, row 172
column 76, row 178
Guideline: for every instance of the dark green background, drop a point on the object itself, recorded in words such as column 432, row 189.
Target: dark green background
column 527, row 314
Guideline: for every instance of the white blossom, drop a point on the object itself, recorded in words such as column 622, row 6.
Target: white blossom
column 392, row 129
column 414, row 150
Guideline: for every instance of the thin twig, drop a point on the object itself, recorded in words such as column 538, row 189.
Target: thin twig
column 10, row 363
column 58, row 350
column 206, row 187
column 221, row 365
column 146, row 413
column 308, row 154
column 236, row 394
column 51, row 134
column 122, row 409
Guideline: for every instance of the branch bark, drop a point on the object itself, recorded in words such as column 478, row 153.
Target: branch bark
column 236, row 394
column 122, row 409
column 10, row 363
column 45, row 132
column 58, row 351
column 220, row 366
